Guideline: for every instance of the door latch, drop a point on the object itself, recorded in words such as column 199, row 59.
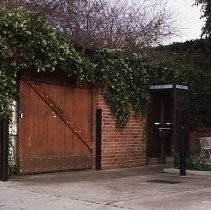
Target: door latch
column 21, row 115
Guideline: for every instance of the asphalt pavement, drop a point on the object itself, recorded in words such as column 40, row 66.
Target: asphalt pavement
column 132, row 188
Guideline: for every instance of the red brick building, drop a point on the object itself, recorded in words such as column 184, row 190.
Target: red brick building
column 121, row 147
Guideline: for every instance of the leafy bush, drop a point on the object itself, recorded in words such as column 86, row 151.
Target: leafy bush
column 193, row 162
column 28, row 43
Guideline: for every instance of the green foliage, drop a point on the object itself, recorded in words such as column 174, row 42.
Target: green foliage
column 193, row 162
column 206, row 13
column 27, row 43
column 7, row 92
column 125, row 82
column 126, row 79
column 192, row 47
column 189, row 62
column 13, row 168
column 113, row 72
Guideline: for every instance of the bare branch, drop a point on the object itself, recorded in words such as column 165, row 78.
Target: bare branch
column 129, row 25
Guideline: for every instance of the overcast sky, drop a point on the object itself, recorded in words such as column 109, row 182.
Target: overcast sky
column 188, row 19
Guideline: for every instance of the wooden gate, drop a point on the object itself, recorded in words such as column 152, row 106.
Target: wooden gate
column 55, row 126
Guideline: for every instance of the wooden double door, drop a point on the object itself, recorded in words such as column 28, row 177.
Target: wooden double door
column 55, row 126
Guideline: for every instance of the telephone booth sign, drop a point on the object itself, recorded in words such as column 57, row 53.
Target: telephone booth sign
column 168, row 122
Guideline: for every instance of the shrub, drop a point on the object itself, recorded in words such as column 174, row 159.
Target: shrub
column 194, row 162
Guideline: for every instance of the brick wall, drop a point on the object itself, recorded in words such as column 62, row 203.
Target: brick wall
column 121, row 147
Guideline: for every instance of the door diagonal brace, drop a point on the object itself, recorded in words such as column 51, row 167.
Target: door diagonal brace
column 60, row 113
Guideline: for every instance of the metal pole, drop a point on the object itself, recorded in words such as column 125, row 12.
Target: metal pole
column 163, row 157
column 98, row 138
column 4, row 141
column 162, row 146
column 183, row 146
column 174, row 123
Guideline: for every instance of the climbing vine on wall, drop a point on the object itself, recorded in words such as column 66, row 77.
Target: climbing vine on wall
column 27, row 43
column 7, row 92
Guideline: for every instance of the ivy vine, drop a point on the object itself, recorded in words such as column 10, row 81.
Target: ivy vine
column 28, row 43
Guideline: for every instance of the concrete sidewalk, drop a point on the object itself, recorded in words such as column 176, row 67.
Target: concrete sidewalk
column 135, row 188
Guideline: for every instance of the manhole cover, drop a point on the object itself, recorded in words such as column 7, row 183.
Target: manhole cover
column 163, row 181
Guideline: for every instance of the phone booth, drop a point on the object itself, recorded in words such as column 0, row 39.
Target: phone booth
column 168, row 120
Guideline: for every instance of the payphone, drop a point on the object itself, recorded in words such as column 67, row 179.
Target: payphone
column 168, row 122
column 164, row 135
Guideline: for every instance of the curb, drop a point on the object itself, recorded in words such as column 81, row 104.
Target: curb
column 189, row 172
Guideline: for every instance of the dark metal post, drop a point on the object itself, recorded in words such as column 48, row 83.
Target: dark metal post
column 183, row 144
column 163, row 157
column 98, row 138
column 174, row 123
column 4, row 145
